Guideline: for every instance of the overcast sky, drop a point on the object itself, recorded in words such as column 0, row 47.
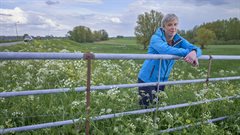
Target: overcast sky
column 117, row 17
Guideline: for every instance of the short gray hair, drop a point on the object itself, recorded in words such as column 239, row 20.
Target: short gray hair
column 168, row 18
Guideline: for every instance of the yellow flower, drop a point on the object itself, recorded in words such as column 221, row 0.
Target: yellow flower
column 188, row 121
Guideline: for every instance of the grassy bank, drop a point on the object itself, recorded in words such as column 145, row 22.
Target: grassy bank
column 45, row 74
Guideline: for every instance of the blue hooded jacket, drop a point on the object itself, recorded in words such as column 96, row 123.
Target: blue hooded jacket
column 158, row 45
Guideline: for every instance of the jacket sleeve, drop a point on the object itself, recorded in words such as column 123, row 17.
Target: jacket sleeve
column 185, row 44
column 162, row 47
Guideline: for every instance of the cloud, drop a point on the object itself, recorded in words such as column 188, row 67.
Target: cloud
column 49, row 2
column 115, row 20
column 95, row 18
column 15, row 15
column 87, row 1
column 2, row 14
column 36, row 16
column 190, row 14
column 95, row 21
column 211, row 2
column 43, row 22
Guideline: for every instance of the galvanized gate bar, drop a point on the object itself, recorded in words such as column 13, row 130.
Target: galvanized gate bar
column 39, row 55
column 105, row 87
column 157, row 56
column 108, row 116
column 102, row 56
column 77, row 56
column 38, row 126
column 194, row 124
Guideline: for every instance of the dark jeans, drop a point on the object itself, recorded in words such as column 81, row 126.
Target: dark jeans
column 147, row 96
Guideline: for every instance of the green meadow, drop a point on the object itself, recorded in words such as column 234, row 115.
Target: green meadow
column 19, row 75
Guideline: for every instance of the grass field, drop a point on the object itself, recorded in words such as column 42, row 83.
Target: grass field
column 45, row 74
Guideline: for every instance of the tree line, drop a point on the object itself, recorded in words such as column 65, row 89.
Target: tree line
column 83, row 34
column 217, row 32
column 220, row 31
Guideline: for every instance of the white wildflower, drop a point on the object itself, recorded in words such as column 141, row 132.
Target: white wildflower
column 75, row 104
column 2, row 64
column 31, row 97
column 2, row 100
column 17, row 114
column 138, row 119
column 64, row 51
column 115, row 129
column 109, row 110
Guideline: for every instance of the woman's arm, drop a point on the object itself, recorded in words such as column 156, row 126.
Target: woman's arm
column 161, row 47
column 185, row 44
column 195, row 52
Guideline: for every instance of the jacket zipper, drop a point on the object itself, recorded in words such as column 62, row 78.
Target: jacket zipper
column 152, row 71
column 178, row 41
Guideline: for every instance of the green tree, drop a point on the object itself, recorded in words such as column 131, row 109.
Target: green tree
column 97, row 36
column 104, row 35
column 218, row 27
column 204, row 36
column 190, row 34
column 147, row 24
column 89, row 35
column 233, row 29
column 225, row 29
column 84, row 34
column 81, row 34
column 100, row 35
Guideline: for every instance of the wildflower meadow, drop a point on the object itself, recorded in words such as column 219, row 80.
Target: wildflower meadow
column 19, row 75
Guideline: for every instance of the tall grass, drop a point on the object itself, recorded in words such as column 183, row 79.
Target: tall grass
column 45, row 74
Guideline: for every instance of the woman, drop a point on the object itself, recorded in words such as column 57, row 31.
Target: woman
column 164, row 41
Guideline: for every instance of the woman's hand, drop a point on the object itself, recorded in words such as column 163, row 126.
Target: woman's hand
column 192, row 58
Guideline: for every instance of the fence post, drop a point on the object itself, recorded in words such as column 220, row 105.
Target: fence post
column 209, row 69
column 88, row 57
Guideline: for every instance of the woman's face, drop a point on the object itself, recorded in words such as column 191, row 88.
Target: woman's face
column 171, row 28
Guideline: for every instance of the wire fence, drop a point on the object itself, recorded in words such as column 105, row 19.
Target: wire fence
column 106, row 87
column 88, row 88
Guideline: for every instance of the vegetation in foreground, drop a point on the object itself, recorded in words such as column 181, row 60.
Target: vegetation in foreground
column 45, row 74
